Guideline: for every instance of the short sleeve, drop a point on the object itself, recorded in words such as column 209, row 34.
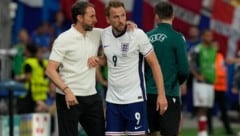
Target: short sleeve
column 58, row 50
column 145, row 46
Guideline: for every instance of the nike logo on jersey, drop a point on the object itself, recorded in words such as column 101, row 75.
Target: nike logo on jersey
column 137, row 127
column 105, row 46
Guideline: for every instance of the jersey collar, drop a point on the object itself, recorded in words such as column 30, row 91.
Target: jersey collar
column 164, row 25
column 123, row 32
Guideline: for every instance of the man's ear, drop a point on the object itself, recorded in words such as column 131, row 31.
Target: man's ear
column 80, row 18
column 173, row 16
column 157, row 19
column 107, row 19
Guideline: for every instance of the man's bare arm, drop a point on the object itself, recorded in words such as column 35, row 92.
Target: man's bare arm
column 158, row 77
column 52, row 73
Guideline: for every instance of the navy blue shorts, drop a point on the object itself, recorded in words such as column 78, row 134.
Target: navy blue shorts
column 130, row 119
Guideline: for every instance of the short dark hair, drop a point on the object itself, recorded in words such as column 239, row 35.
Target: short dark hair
column 32, row 49
column 204, row 31
column 79, row 8
column 115, row 4
column 164, row 10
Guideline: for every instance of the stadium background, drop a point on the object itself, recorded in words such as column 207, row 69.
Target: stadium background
column 219, row 15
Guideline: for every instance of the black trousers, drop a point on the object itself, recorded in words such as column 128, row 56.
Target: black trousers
column 168, row 123
column 26, row 104
column 89, row 113
column 221, row 101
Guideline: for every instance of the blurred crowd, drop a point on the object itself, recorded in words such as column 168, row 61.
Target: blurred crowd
column 28, row 67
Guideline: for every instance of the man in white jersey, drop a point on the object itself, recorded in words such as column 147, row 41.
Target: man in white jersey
column 125, row 51
column 76, row 98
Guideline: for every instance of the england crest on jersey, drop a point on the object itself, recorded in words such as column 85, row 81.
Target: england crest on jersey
column 124, row 49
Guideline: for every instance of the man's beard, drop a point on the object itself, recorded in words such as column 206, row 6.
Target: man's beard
column 119, row 30
column 87, row 27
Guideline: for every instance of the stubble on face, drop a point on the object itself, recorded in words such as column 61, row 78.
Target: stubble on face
column 89, row 19
column 120, row 27
column 87, row 27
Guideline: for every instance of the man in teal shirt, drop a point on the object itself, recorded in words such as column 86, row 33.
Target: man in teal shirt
column 170, row 48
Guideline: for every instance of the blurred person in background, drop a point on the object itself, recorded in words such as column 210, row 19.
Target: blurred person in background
column 236, row 89
column 236, row 80
column 202, row 65
column 220, row 87
column 193, row 39
column 36, row 83
column 18, row 59
column 59, row 24
column 102, row 77
column 43, row 38
column 101, row 86
column 236, row 62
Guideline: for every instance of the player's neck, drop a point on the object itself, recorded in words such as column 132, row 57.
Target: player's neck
column 118, row 33
column 166, row 21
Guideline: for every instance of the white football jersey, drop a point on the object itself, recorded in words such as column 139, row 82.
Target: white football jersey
column 125, row 57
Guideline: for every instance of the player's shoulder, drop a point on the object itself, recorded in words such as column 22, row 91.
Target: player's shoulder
column 65, row 36
column 137, row 32
column 151, row 32
column 179, row 35
column 96, row 33
column 97, row 30
column 107, row 30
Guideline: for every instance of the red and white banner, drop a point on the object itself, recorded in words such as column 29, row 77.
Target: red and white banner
column 219, row 15
column 226, row 24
